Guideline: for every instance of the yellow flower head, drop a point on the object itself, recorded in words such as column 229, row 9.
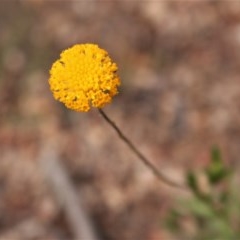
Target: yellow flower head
column 84, row 76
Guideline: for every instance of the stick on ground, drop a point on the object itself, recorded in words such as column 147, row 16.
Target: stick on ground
column 66, row 196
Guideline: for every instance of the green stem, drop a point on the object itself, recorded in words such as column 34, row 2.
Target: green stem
column 155, row 171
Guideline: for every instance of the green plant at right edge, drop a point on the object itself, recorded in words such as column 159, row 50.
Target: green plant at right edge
column 212, row 212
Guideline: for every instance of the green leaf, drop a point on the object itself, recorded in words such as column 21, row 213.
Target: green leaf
column 192, row 181
column 199, row 208
column 172, row 220
column 216, row 156
column 216, row 171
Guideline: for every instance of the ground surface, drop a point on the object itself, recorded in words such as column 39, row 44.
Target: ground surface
column 180, row 68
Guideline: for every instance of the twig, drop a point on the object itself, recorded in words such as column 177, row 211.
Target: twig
column 155, row 171
column 58, row 178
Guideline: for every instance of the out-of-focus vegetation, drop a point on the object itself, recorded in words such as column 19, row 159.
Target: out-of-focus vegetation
column 212, row 212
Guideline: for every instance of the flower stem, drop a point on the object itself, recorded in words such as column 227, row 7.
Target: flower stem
column 155, row 171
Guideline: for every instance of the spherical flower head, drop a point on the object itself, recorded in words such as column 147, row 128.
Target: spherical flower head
column 84, row 76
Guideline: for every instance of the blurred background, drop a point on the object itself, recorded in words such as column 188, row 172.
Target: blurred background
column 179, row 63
